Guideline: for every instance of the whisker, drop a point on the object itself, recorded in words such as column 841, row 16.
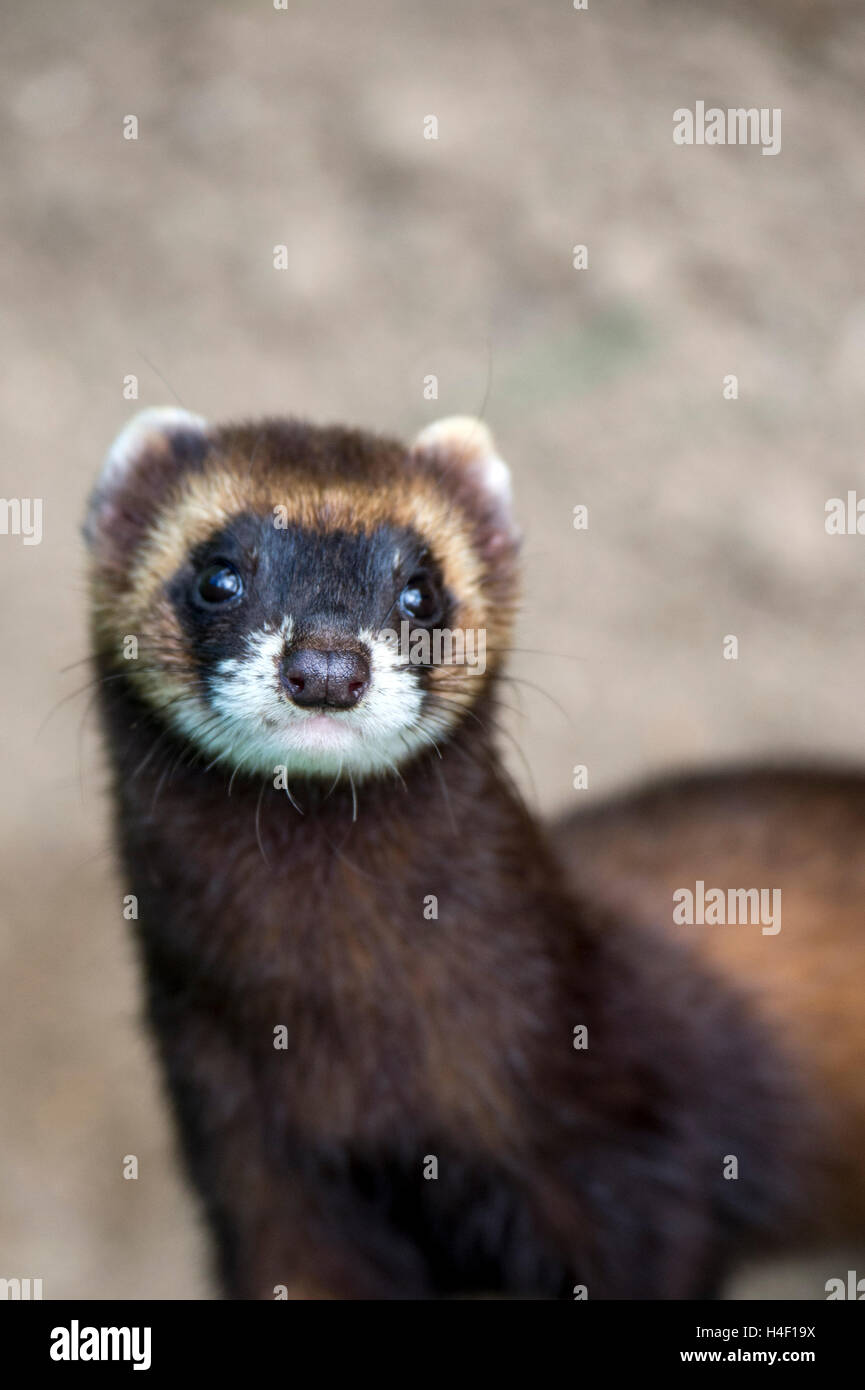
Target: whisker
column 258, row 822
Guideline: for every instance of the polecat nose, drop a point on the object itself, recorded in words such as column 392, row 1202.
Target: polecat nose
column 335, row 679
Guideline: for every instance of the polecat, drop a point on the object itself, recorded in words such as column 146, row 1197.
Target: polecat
column 406, row 1058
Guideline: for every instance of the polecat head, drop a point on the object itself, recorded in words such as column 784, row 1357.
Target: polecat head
column 316, row 599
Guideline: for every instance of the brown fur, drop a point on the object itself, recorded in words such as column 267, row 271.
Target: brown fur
column 802, row 832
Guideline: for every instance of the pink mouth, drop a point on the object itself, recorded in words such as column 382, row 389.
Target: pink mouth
column 323, row 731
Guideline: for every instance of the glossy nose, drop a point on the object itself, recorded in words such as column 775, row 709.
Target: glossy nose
column 333, row 679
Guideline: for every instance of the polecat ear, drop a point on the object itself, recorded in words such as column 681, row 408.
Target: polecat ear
column 462, row 448
column 147, row 454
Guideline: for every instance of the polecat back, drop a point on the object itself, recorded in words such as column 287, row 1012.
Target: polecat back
column 794, row 834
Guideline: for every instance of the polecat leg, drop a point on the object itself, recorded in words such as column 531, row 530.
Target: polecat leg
column 279, row 1231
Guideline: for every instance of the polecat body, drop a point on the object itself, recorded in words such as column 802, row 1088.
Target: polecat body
column 798, row 834
column 488, row 1084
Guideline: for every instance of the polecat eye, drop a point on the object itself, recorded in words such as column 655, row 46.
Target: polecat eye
column 420, row 599
column 218, row 583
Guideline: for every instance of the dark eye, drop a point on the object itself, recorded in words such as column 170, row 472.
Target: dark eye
column 420, row 599
column 219, row 582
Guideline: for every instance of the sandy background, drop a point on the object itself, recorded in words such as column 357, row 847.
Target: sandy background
column 409, row 257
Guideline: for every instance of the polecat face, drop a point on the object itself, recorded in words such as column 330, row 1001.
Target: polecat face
column 318, row 600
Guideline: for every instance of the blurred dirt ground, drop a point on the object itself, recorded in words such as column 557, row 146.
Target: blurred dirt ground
column 409, row 257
